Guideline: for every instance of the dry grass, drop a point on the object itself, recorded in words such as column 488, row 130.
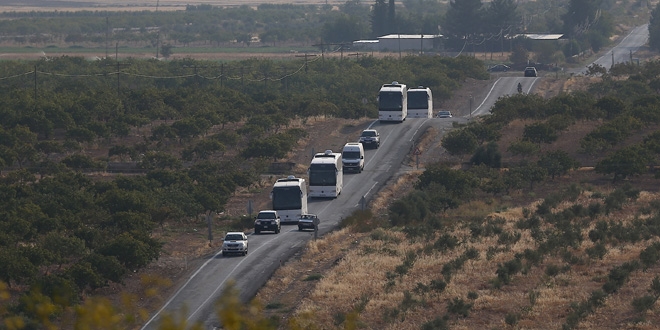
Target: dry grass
column 360, row 280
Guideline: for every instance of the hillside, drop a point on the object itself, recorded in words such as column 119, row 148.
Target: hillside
column 488, row 267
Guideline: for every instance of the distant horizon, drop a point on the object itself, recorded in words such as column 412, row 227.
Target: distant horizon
column 130, row 5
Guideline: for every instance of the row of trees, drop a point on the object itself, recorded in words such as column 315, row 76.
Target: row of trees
column 464, row 22
column 195, row 130
column 626, row 107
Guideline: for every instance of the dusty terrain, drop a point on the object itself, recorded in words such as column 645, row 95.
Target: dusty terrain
column 186, row 246
column 130, row 5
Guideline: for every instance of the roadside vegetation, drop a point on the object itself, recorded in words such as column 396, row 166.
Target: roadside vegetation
column 95, row 160
column 495, row 237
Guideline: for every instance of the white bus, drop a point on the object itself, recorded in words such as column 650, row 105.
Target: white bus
column 289, row 197
column 393, row 102
column 420, row 102
column 326, row 176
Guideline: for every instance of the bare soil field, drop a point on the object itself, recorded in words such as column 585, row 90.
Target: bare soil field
column 130, row 5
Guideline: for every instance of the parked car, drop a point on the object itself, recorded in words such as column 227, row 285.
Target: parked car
column 308, row 221
column 444, row 114
column 235, row 242
column 267, row 220
column 370, row 137
column 499, row 68
column 530, row 71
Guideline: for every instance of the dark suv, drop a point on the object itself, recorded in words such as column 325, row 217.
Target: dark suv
column 267, row 220
column 530, row 71
column 370, row 137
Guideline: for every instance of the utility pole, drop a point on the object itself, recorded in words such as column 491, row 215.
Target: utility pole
column 107, row 31
column 305, row 56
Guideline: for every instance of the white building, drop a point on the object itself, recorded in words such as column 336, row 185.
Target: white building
column 401, row 42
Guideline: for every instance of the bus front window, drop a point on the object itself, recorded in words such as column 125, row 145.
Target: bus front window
column 322, row 175
column 389, row 101
column 287, row 198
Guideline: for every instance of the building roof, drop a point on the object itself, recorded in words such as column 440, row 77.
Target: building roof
column 540, row 36
column 410, row 36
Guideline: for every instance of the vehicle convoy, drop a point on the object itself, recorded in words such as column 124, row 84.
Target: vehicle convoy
column 267, row 220
column 289, row 198
column 393, row 102
column 370, row 138
column 235, row 242
column 308, row 221
column 352, row 157
column 420, row 102
column 326, row 175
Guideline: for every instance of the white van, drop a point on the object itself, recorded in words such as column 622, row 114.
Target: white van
column 352, row 157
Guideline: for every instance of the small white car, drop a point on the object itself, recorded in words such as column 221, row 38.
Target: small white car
column 444, row 114
column 235, row 242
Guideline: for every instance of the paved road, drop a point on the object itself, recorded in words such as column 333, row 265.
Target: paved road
column 623, row 52
column 507, row 85
column 195, row 298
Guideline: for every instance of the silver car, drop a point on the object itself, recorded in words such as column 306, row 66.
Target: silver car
column 235, row 242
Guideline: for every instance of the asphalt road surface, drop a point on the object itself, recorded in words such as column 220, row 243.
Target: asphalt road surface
column 194, row 300
column 196, row 297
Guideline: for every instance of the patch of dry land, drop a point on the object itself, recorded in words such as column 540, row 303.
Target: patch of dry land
column 130, row 5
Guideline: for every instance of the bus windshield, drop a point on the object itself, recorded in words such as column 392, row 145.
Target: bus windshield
column 322, row 175
column 390, row 101
column 287, row 198
column 418, row 100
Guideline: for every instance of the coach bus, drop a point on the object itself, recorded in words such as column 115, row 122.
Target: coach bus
column 393, row 102
column 289, row 198
column 326, row 175
column 420, row 102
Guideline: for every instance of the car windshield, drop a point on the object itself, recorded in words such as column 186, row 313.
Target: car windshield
column 234, row 237
column 307, row 217
column 368, row 133
column 444, row 113
column 266, row 215
column 351, row 155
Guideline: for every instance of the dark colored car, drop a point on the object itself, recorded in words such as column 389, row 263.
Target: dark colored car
column 308, row 221
column 499, row 68
column 530, row 71
column 267, row 220
column 370, row 138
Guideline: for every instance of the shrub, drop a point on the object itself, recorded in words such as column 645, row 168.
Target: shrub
column 459, row 307
column 597, row 251
column 511, row 318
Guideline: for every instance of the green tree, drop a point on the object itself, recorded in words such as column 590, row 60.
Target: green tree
column 379, row 19
column 460, row 142
column 528, row 172
column 539, row 133
column 489, row 155
column 625, row 162
column 524, row 148
column 463, row 19
column 343, row 28
column 166, row 50
column 557, row 163
column 132, row 252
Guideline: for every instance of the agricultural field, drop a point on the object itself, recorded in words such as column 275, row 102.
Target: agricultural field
column 129, row 5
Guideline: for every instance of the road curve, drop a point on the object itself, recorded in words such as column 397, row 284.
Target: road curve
column 194, row 299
